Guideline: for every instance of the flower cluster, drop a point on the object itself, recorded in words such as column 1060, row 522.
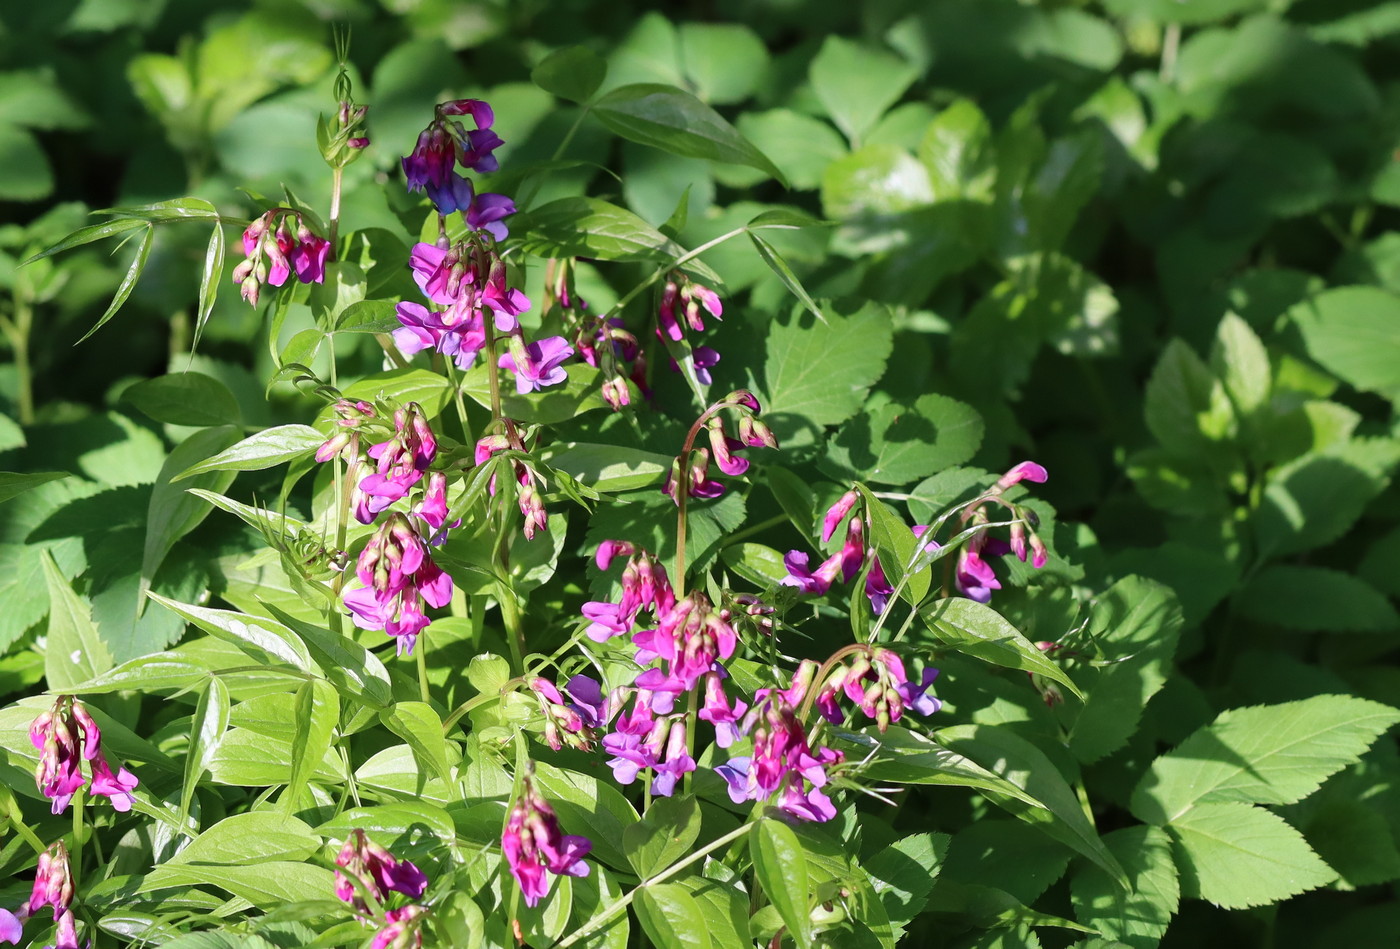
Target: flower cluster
column 846, row 562
column 533, row 844
column 378, row 873
column 571, row 721
column 876, row 682
column 694, row 465
column 446, row 143
column 398, row 577
column 274, row 251
column 53, row 886
column 602, row 342
column 65, row 736
column 526, row 478
column 975, row 578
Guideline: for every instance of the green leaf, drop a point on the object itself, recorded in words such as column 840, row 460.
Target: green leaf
column 1241, row 363
column 266, row 449
column 579, row 394
column 317, row 715
column 1137, row 916
column 1266, row 754
column 417, row 724
column 356, row 672
column 725, row 62
column 367, row 316
column 663, row 835
column 1315, row 598
column 1136, row 622
column 671, row 917
column 138, row 264
column 592, row 227
column 1007, row 854
column 163, row 670
column 1238, row 856
column 874, row 182
column 15, row 483
column 800, row 145
column 1186, row 408
column 74, row 653
column 1315, row 499
column 608, row 468
column 819, row 374
column 892, row 443
column 1058, row 813
column 770, row 256
column 260, row 638
column 174, row 209
column 27, row 174
column 206, row 732
column 781, row 869
column 268, row 885
column 1354, row 332
column 588, row 805
column 673, row 120
column 393, row 825
column 903, row 875
column 856, row 84
column 573, row 73
column 896, row 547
column 249, row 839
column 431, row 390
column 209, row 279
column 957, row 151
column 88, row 234
column 976, row 629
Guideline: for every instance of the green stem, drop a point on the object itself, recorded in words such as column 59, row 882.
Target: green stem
column 334, row 223
column 460, row 402
column 75, row 860
column 612, row 909
column 420, row 654
column 758, row 528
column 24, row 372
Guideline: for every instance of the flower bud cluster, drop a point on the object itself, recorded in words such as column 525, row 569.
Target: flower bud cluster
column 446, row 143
column 274, row 251
column 571, row 721
column 682, row 303
column 534, row 844
column 53, row 886
column 846, row 562
column 974, row 575
column 723, row 449
column 65, row 736
column 527, row 481
column 398, row 576
column 875, row 681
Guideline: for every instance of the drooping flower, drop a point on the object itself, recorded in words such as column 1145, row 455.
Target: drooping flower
column 53, row 883
column 398, row 576
column 64, row 736
column 273, row 253
column 534, row 844
column 377, row 870
column 718, row 711
column 537, row 364
column 401, row 930
column 67, row 935
column 446, row 142
column 401, row 462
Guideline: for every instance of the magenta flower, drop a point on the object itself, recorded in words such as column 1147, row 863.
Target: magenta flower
column 401, row 929
column 877, row 587
column 116, row 788
column 273, row 254
column 11, row 929
column 398, row 576
column 401, row 463
column 378, row 870
column 55, row 734
column 537, row 364
column 1025, row 471
column 837, row 512
column 309, row 256
column 805, row 579
column 974, row 576
column 487, row 212
column 53, row 883
column 534, row 845
column 67, row 935
column 718, row 712
column 676, row 763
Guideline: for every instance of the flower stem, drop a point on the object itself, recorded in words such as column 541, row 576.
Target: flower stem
column 334, row 223
column 421, row 655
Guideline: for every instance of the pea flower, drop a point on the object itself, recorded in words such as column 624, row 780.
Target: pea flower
column 53, row 883
column 446, row 143
column 378, row 870
column 65, row 736
column 401, row 930
column 533, row 844
column 273, row 253
column 401, row 462
column 398, row 577
column 537, row 364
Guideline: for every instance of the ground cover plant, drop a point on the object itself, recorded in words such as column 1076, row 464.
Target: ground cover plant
column 772, row 475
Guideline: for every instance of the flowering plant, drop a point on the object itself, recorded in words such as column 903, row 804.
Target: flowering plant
column 577, row 576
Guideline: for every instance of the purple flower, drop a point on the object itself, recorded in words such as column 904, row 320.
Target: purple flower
column 534, row 844
column 454, row 194
column 309, row 256
column 53, row 883
column 810, row 581
column 11, row 929
column 722, row 448
column 1025, row 471
column 588, row 699
column 398, row 577
column 55, row 734
column 719, row 713
column 877, row 587
column 975, row 577
column 606, row 621
column 401, row 929
column 837, row 512
column 916, row 697
column 704, row 358
column 378, row 870
column 537, row 364
column 676, row 764
column 116, row 788
column 486, row 213
column 439, row 273
column 431, row 159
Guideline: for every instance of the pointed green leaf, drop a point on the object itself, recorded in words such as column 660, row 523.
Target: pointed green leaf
column 317, row 715
column 15, row 483
column 75, row 653
column 355, row 671
column 1137, row 916
column 573, row 73
column 138, row 264
column 88, row 234
column 1238, row 856
column 856, row 83
column 976, row 629
column 209, row 280
column 266, row 449
column 663, row 835
column 257, row 636
column 671, row 917
column 206, row 732
column 250, row 838
column 185, row 398
column 781, row 868
column 417, row 724
column 770, row 256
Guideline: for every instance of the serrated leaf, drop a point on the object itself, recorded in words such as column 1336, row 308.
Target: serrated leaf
column 903, row 875
column 956, row 150
column 266, row 449
column 206, row 732
column 1009, row 855
column 1315, row 499
column 1238, row 856
column 1355, row 333
column 133, row 273
column 15, row 483
column 1137, row 916
column 74, row 653
column 976, row 629
column 781, row 868
column 1186, row 408
column 673, row 120
column 1315, row 598
column 1241, row 363
column 1265, row 754
column 896, row 444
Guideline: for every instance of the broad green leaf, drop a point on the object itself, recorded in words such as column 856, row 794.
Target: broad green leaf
column 1241, row 363
column 138, row 264
column 355, row 671
column 11, row 435
column 1186, row 407
column 608, row 467
column 1137, row 916
column 800, row 145
column 1137, row 622
column 892, row 443
column 163, row 670
column 417, row 724
column 896, row 546
column 74, row 653
column 259, row 637
column 1238, row 856
column 1007, row 854
column 317, row 715
column 781, row 868
column 15, row 483
column 1058, row 813
column 976, row 629
column 404, row 823
column 249, row 759
column 589, row 805
column 209, row 279
column 32, row 97
column 266, row 449
column 1266, row 754
column 770, row 256
column 367, row 316
column 573, row 73
column 251, row 838
column 592, row 227
column 988, row 907
column 1315, row 599
column 214, row 940
column 267, row 885
column 957, row 151
column 663, row 835
column 206, row 732
column 903, row 875
column 27, row 174
column 819, row 374
column 875, row 182
column 1315, row 499
column 673, row 120
column 430, row 390
column 1354, row 332
column 856, row 83
column 671, row 917
column 725, row 62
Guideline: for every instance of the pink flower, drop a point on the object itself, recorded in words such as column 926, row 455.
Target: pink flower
column 53, row 883
column 534, row 844
column 537, row 364
column 55, row 734
column 837, row 512
column 401, row 929
column 398, row 577
column 378, row 870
